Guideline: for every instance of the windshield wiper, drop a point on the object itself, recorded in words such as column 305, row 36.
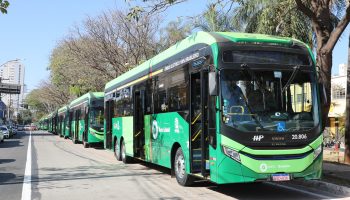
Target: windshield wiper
column 295, row 71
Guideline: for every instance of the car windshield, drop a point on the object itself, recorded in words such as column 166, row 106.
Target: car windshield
column 269, row 100
column 3, row 128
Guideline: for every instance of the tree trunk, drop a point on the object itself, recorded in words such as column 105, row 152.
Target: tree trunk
column 347, row 112
column 324, row 61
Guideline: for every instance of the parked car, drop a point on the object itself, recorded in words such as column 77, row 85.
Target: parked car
column 20, row 128
column 27, row 128
column 33, row 128
column 5, row 131
column 2, row 136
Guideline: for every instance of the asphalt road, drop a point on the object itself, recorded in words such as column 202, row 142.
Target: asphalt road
column 63, row 170
column 13, row 154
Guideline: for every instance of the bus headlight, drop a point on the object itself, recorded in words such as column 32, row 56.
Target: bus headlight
column 231, row 153
column 317, row 151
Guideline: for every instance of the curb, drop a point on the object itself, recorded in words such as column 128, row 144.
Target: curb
column 324, row 186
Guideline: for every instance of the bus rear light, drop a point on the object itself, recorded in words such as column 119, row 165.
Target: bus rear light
column 317, row 151
column 231, row 153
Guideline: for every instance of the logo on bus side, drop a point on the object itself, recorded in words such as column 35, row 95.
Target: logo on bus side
column 258, row 138
column 154, row 129
column 263, row 167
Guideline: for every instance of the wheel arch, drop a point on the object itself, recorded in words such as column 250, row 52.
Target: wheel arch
column 174, row 148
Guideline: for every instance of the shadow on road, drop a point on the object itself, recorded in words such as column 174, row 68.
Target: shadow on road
column 10, row 178
column 3, row 161
column 14, row 141
column 240, row 190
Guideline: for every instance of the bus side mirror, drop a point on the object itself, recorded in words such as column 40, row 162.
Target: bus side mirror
column 323, row 94
column 213, row 89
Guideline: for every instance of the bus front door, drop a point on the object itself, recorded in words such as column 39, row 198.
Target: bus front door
column 109, row 112
column 86, row 128
column 198, row 115
column 139, row 134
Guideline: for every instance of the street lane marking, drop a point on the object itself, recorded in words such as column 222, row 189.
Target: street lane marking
column 27, row 180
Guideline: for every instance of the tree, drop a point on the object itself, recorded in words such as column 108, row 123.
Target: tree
column 112, row 44
column 174, row 32
column 71, row 76
column 24, row 117
column 272, row 17
column 3, row 6
column 320, row 13
column 149, row 7
column 214, row 19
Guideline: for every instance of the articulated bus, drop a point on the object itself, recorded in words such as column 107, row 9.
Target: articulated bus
column 227, row 107
column 86, row 117
column 62, row 121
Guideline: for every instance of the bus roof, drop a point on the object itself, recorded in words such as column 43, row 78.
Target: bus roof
column 63, row 109
column 207, row 38
column 86, row 97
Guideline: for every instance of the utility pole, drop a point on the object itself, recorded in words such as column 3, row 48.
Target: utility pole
column 347, row 111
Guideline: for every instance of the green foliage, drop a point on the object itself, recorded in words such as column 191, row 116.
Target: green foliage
column 273, row 17
column 216, row 18
column 3, row 6
column 175, row 31
column 70, row 75
column 24, row 117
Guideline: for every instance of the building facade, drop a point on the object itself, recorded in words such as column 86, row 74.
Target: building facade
column 336, row 113
column 13, row 73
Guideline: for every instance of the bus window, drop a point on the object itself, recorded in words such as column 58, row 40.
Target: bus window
column 177, row 91
column 123, row 104
column 161, row 98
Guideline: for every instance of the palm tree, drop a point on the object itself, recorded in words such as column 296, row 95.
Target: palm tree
column 215, row 19
column 273, row 17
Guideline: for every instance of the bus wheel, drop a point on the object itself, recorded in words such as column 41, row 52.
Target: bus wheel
column 182, row 177
column 126, row 159
column 85, row 144
column 117, row 150
column 74, row 140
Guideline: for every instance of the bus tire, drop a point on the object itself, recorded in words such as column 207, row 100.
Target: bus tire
column 117, row 150
column 75, row 141
column 126, row 159
column 182, row 177
column 85, row 144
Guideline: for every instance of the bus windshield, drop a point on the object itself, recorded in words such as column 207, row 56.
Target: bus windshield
column 96, row 118
column 275, row 100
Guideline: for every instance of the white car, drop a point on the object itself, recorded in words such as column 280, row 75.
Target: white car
column 5, row 131
column 2, row 136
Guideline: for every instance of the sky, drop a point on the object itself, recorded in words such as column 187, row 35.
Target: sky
column 32, row 29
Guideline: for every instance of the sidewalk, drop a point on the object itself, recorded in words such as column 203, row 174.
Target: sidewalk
column 336, row 173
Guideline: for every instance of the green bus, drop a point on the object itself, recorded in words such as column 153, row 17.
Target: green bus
column 52, row 122
column 44, row 123
column 226, row 107
column 86, row 117
column 62, row 121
